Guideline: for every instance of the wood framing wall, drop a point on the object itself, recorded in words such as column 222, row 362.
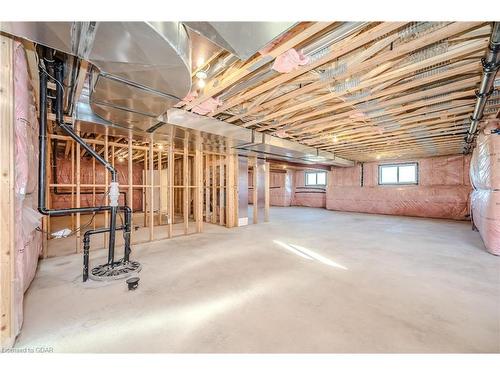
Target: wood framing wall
column 179, row 187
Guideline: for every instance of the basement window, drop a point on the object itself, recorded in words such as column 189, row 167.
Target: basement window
column 398, row 174
column 315, row 178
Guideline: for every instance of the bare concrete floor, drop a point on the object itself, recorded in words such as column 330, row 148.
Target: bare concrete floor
column 309, row 281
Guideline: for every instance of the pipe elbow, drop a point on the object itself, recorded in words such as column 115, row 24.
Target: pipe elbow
column 126, row 209
column 43, row 211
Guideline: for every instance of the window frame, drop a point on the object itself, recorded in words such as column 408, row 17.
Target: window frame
column 316, row 173
column 417, row 177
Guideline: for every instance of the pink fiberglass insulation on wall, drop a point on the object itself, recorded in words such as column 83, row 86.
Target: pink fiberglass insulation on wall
column 485, row 178
column 280, row 188
column 442, row 190
column 305, row 195
column 28, row 241
column 63, row 176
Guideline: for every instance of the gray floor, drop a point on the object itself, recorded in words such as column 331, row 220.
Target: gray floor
column 310, row 281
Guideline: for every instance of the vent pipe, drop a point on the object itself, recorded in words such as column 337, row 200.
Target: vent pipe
column 491, row 64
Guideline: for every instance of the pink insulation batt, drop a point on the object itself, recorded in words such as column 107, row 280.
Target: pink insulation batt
column 206, row 107
column 442, row 192
column 307, row 196
column 63, row 176
column 289, row 61
column 280, row 188
column 485, row 178
column 28, row 241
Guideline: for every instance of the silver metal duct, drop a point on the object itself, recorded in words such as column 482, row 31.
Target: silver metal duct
column 250, row 142
column 315, row 49
column 491, row 63
column 215, row 134
column 144, row 68
column 242, row 39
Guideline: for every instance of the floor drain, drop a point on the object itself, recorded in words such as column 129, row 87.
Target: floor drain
column 115, row 270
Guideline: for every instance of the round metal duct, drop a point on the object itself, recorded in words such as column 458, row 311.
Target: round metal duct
column 142, row 68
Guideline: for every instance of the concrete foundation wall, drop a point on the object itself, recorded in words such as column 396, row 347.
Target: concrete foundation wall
column 304, row 195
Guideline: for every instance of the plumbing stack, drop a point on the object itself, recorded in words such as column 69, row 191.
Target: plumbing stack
column 491, row 63
column 112, row 269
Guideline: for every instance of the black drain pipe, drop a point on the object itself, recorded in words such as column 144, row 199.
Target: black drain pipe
column 491, row 64
column 42, row 143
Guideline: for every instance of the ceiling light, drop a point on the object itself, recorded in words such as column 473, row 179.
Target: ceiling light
column 378, row 157
column 121, row 159
column 201, row 83
column 201, row 74
column 335, row 139
column 200, row 61
column 160, row 146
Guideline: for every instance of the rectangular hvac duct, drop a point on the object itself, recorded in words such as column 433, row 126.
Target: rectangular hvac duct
column 242, row 39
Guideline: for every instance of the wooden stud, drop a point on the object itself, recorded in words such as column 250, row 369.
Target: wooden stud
column 198, row 201
column 78, row 191
column 207, row 187
column 185, row 190
column 130, row 179
column 151, row 190
column 231, row 197
column 267, row 191
column 73, row 185
column 170, row 196
column 221, row 190
column 106, row 183
column 7, row 179
column 161, row 193
column 255, row 191
column 144, row 189
column 213, row 187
